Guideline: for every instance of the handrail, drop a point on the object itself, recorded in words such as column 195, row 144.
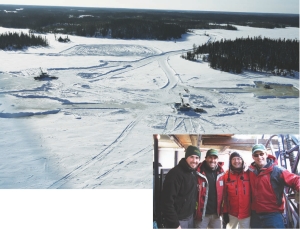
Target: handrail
column 283, row 152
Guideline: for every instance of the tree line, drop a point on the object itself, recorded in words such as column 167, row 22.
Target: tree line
column 121, row 29
column 16, row 40
column 142, row 29
column 256, row 54
column 132, row 23
column 128, row 28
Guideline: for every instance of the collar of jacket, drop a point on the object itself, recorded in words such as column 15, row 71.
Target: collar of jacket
column 185, row 166
column 266, row 168
column 236, row 171
column 219, row 168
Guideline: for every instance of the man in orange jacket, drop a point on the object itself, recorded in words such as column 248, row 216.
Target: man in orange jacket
column 237, row 194
column 210, row 191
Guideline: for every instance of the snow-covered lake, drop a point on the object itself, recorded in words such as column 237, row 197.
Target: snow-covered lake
column 93, row 126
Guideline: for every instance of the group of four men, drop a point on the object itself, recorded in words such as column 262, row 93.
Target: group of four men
column 203, row 195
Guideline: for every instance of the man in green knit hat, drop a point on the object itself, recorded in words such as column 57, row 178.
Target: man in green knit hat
column 179, row 194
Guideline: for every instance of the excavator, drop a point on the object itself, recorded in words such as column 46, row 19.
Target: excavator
column 45, row 76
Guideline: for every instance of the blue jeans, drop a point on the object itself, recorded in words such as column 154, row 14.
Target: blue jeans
column 187, row 223
column 269, row 220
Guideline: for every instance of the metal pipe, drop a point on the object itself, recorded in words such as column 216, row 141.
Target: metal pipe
column 281, row 151
column 269, row 140
column 156, row 178
column 175, row 158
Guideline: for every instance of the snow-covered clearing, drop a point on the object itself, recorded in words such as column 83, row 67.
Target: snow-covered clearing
column 93, row 126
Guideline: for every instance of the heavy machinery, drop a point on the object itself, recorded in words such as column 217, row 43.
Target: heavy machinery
column 45, row 76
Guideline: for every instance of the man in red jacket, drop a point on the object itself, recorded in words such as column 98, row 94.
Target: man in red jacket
column 237, row 194
column 267, row 181
column 210, row 191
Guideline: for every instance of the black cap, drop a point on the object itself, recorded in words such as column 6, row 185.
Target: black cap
column 235, row 154
column 192, row 150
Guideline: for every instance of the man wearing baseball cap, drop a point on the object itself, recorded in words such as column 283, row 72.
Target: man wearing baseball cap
column 179, row 194
column 267, row 181
column 210, row 191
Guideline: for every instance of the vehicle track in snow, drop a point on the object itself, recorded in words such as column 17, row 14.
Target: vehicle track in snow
column 104, row 153
column 179, row 124
column 132, row 65
column 99, row 157
column 169, row 72
column 164, row 92
column 123, row 163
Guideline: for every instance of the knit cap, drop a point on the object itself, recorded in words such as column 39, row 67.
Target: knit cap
column 192, row 150
column 235, row 154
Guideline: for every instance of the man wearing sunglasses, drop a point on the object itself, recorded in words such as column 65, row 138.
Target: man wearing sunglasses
column 267, row 181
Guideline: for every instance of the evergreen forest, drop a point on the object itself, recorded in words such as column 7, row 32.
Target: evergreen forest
column 144, row 24
column 21, row 40
column 132, row 23
column 279, row 56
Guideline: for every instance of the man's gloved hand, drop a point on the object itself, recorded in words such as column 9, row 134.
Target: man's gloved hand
column 225, row 219
column 297, row 197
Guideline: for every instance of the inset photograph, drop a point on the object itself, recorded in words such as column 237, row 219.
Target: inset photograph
column 226, row 181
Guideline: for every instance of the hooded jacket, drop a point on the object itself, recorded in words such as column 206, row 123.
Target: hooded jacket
column 203, row 190
column 179, row 194
column 267, row 186
column 237, row 194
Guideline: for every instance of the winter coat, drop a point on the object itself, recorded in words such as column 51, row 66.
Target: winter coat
column 203, row 190
column 179, row 194
column 268, row 184
column 237, row 194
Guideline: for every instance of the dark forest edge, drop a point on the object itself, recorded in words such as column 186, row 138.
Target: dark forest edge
column 132, row 23
column 277, row 56
column 13, row 41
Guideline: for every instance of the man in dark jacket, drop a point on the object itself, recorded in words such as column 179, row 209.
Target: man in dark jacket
column 267, row 181
column 180, row 191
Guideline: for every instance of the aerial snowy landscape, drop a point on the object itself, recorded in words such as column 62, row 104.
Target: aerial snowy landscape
column 77, row 118
column 93, row 126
